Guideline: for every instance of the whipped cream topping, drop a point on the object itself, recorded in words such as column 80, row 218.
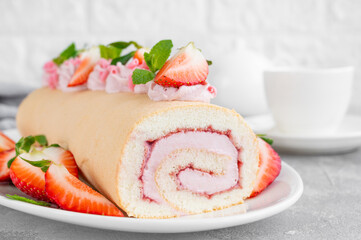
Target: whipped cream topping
column 66, row 72
column 50, row 75
column 139, row 88
column 193, row 180
column 118, row 78
column 199, row 92
column 97, row 78
column 142, row 88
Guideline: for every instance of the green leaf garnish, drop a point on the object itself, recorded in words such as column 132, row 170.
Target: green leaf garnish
column 24, row 199
column 123, row 59
column 209, row 62
column 69, row 52
column 158, row 55
column 266, row 139
column 24, row 145
column 141, row 76
column 123, row 45
column 41, row 139
column 54, row 145
column 109, row 52
column 11, row 161
column 42, row 164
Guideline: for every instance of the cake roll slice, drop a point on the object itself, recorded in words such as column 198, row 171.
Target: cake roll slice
column 153, row 159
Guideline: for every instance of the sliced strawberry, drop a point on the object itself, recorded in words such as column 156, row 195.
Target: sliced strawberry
column 5, row 142
column 30, row 179
column 71, row 194
column 5, row 156
column 88, row 61
column 269, row 167
column 82, row 73
column 139, row 54
column 187, row 67
column 61, row 156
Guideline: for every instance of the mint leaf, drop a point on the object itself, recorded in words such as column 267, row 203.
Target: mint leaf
column 123, row 59
column 209, row 62
column 11, row 161
column 24, row 199
column 42, row 164
column 109, row 52
column 158, row 55
column 266, row 139
column 41, row 139
column 122, row 45
column 24, row 145
column 69, row 52
column 54, row 145
column 141, row 76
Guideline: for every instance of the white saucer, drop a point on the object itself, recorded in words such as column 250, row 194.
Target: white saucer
column 345, row 139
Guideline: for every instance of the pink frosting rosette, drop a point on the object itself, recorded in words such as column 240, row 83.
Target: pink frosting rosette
column 199, row 92
column 139, row 88
column 66, row 72
column 97, row 78
column 117, row 80
column 50, row 75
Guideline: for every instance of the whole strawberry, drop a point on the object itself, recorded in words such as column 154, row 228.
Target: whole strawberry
column 187, row 67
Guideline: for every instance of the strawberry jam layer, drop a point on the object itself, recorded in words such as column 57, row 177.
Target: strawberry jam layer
column 200, row 181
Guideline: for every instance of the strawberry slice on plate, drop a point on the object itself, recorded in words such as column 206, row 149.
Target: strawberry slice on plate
column 31, row 179
column 5, row 142
column 269, row 167
column 88, row 61
column 71, row 194
column 28, row 179
column 61, row 156
column 5, row 156
column 187, row 67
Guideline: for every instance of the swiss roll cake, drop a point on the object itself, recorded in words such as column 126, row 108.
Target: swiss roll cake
column 154, row 159
column 143, row 132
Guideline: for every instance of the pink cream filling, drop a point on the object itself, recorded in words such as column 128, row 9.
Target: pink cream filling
column 191, row 179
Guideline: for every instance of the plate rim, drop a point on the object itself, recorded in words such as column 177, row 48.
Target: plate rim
column 163, row 225
column 100, row 222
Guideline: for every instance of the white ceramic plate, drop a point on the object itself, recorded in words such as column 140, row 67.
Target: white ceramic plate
column 345, row 139
column 280, row 195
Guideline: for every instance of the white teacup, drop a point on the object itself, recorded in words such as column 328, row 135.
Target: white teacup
column 308, row 101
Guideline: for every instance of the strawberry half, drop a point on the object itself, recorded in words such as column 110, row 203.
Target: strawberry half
column 5, row 156
column 5, row 142
column 71, row 194
column 187, row 67
column 269, row 167
column 87, row 64
column 30, row 179
column 139, row 54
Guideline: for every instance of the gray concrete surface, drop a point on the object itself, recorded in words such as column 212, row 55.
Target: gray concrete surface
column 330, row 208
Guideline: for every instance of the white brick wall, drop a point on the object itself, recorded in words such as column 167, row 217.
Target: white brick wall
column 287, row 32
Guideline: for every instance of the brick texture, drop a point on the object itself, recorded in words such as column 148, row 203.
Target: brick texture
column 313, row 33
